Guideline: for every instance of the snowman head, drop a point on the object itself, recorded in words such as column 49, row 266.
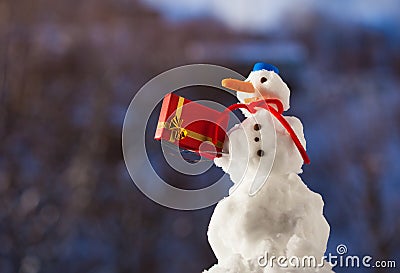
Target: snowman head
column 263, row 82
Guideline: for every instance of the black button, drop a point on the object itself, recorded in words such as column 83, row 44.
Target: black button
column 260, row 153
column 257, row 127
column 256, row 139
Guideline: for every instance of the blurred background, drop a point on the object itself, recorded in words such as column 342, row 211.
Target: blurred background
column 68, row 70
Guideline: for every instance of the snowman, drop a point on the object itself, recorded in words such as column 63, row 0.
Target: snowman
column 271, row 221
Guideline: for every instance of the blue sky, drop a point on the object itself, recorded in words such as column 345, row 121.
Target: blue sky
column 267, row 15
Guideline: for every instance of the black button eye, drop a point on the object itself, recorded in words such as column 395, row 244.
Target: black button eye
column 256, row 139
column 257, row 127
column 263, row 79
column 260, row 153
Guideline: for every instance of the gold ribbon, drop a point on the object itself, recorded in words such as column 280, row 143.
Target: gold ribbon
column 177, row 131
column 175, row 126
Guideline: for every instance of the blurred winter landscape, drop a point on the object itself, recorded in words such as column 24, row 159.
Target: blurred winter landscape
column 68, row 70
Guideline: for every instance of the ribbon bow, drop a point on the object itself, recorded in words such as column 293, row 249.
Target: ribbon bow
column 177, row 131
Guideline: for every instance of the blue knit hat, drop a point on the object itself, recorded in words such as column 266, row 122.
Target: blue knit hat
column 265, row 66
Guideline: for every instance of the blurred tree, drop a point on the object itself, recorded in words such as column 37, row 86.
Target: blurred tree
column 68, row 70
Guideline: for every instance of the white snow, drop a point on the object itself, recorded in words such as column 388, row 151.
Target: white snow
column 283, row 218
column 280, row 153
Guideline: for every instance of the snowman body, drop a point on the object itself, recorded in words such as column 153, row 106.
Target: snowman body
column 260, row 145
column 283, row 218
column 269, row 210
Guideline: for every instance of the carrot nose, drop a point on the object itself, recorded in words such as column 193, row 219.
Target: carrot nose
column 238, row 85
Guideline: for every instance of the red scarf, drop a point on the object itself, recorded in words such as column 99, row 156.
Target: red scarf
column 276, row 113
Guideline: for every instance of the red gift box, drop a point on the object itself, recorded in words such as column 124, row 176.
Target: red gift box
column 191, row 126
